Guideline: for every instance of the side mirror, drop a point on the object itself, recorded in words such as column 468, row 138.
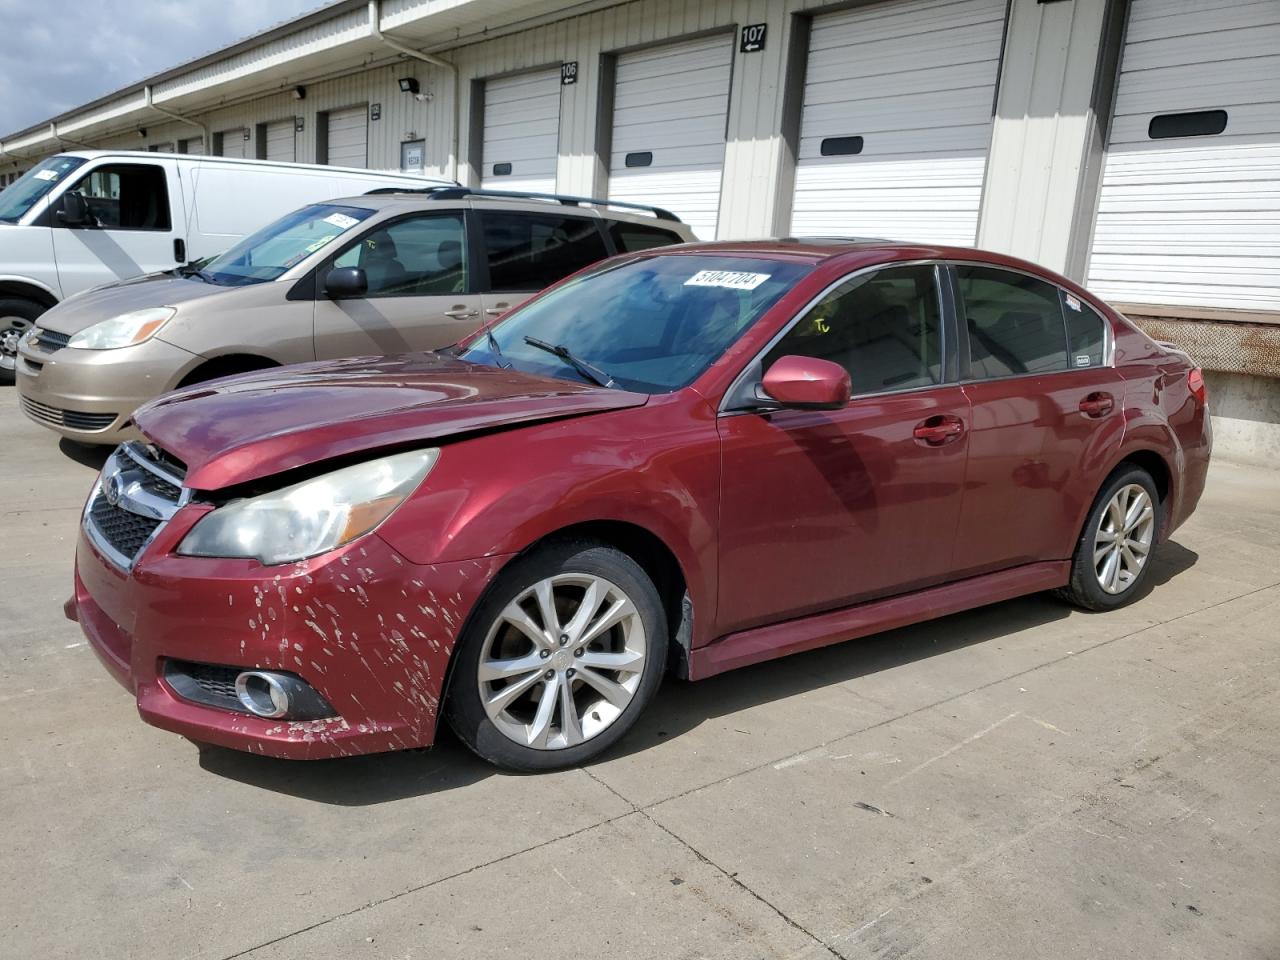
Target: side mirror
column 346, row 283
column 74, row 211
column 807, row 383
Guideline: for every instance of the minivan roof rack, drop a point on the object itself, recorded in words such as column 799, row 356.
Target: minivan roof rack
column 458, row 193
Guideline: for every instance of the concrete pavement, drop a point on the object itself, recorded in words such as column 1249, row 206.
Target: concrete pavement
column 1020, row 781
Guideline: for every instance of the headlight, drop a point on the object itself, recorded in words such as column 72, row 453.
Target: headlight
column 311, row 517
column 122, row 331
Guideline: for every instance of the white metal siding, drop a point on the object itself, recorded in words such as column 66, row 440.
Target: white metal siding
column 280, row 143
column 1194, row 220
column 916, row 80
column 349, row 137
column 522, row 128
column 671, row 101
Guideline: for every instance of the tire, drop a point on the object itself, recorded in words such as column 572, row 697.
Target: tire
column 17, row 315
column 607, row 687
column 1095, row 583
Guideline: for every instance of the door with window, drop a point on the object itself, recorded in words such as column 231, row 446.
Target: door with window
column 136, row 214
column 1046, row 405
column 420, row 293
column 822, row 509
column 529, row 251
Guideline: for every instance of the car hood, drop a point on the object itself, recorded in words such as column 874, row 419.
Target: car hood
column 102, row 303
column 242, row 428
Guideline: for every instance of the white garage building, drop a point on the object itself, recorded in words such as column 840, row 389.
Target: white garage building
column 1131, row 144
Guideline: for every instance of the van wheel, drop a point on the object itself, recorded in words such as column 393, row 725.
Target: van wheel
column 17, row 315
column 1113, row 556
column 559, row 659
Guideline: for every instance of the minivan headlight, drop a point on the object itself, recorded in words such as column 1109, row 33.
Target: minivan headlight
column 122, row 331
column 311, row 517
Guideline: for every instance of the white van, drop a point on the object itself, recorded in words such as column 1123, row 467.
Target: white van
column 84, row 218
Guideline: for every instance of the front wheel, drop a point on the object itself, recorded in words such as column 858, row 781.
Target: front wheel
column 17, row 315
column 1112, row 558
column 559, row 659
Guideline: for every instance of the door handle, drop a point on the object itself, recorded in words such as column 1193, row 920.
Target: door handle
column 1097, row 404
column 939, row 429
column 497, row 309
column 462, row 312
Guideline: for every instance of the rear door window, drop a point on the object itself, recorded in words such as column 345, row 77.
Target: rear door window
column 529, row 251
column 1015, row 323
column 631, row 237
column 885, row 328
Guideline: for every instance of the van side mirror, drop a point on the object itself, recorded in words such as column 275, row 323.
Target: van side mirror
column 346, row 283
column 807, row 383
column 74, row 211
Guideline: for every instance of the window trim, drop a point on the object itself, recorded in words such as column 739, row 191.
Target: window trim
column 946, row 331
column 326, row 265
column 962, row 325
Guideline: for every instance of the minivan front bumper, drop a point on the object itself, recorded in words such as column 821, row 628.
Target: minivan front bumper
column 89, row 395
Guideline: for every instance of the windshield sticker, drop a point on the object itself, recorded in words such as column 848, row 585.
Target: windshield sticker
column 46, row 174
column 1072, row 302
column 341, row 220
column 1082, row 360
column 731, row 279
column 317, row 244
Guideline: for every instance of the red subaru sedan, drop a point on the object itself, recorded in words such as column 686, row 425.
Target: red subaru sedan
column 684, row 460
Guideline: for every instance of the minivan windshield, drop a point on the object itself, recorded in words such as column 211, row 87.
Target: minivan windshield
column 21, row 195
column 278, row 247
column 652, row 325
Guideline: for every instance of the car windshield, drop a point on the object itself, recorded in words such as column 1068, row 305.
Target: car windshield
column 21, row 195
column 652, row 325
column 284, row 244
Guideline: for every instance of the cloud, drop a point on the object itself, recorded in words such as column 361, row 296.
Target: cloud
column 58, row 56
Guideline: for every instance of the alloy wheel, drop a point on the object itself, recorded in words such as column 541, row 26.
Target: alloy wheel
column 562, row 661
column 12, row 330
column 1123, row 542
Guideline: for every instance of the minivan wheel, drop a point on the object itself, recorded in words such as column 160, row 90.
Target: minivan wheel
column 1113, row 556
column 17, row 315
column 560, row 658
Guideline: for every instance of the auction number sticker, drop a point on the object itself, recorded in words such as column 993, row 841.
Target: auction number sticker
column 46, row 174
column 341, row 221
column 731, row 279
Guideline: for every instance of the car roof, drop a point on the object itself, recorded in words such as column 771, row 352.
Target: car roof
column 409, row 201
column 851, row 252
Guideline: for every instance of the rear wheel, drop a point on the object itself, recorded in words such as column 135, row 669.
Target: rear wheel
column 17, row 316
column 559, row 659
column 1112, row 558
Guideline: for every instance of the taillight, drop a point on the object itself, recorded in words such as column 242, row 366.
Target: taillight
column 1195, row 382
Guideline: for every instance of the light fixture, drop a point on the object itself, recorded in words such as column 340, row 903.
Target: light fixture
column 409, row 85
column 299, row 93
column 142, row 132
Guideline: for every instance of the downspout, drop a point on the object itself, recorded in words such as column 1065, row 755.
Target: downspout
column 375, row 18
column 204, row 130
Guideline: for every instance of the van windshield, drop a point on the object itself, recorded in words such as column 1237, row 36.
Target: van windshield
column 21, row 195
column 282, row 245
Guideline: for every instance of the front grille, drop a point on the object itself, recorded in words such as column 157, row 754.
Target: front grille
column 73, row 419
column 124, row 531
column 50, row 340
column 206, row 683
column 135, row 496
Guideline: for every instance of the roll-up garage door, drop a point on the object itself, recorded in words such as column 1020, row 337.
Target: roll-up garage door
column 192, row 145
column 231, row 143
column 1189, row 211
column 669, row 112
column 896, row 122
column 521, row 132
column 349, row 137
column 280, row 141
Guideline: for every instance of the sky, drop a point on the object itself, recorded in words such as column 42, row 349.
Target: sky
column 59, row 54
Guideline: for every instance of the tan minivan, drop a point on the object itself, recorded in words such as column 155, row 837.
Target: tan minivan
column 376, row 274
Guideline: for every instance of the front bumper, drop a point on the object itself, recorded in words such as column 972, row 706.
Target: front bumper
column 89, row 395
column 370, row 631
